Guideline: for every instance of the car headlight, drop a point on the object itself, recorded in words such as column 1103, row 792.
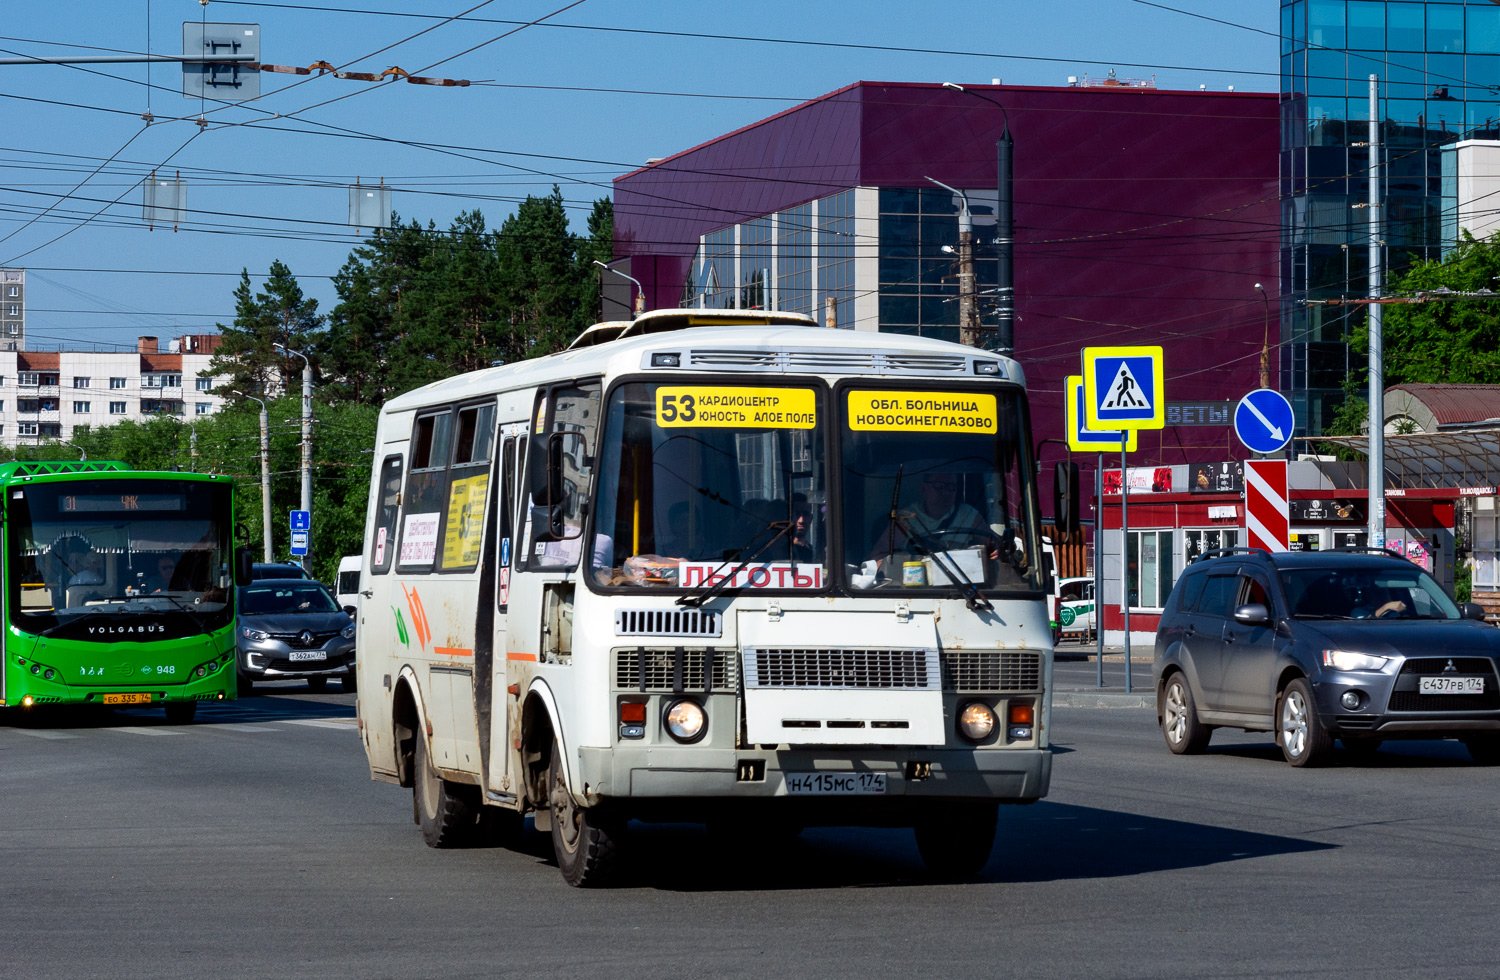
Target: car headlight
column 251, row 634
column 1346, row 660
column 347, row 632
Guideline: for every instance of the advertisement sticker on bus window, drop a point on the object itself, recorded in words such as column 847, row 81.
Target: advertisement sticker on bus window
column 769, row 575
column 719, row 407
column 463, row 538
column 380, row 546
column 923, row 411
column 419, row 539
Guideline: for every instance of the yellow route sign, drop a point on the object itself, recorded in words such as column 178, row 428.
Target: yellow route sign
column 923, row 411
column 720, row 407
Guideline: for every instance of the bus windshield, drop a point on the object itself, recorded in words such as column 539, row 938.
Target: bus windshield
column 704, row 485
column 937, row 490
column 118, row 547
column 699, row 481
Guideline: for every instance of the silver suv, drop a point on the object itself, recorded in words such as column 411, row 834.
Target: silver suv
column 1320, row 646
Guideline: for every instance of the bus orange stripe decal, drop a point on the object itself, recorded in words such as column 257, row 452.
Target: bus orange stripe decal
column 453, row 651
column 521, row 656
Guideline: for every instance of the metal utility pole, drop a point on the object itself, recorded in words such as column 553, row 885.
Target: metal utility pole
column 306, row 440
column 1265, row 340
column 639, row 306
column 1005, row 229
column 1376, row 392
column 968, row 305
column 265, row 475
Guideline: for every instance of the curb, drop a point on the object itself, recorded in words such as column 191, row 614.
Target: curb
column 1101, row 699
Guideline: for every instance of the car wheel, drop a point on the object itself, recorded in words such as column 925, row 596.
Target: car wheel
column 1299, row 731
column 1180, row 726
column 181, row 712
column 244, row 686
column 585, row 840
column 317, row 684
column 1484, row 748
column 955, row 838
column 445, row 814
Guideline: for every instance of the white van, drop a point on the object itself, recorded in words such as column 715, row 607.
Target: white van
column 347, row 586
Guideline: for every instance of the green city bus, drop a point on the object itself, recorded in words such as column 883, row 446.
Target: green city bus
column 118, row 587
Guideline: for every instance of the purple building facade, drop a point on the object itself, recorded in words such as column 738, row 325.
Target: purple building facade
column 1142, row 216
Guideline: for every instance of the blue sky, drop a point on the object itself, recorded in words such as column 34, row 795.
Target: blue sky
column 591, row 90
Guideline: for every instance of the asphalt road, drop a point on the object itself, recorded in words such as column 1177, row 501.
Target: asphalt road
column 253, row 844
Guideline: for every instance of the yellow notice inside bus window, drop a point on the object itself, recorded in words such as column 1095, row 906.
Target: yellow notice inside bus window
column 922, row 411
column 705, row 407
column 464, row 536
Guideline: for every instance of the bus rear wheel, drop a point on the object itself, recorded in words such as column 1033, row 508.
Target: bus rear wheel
column 955, row 838
column 181, row 712
column 584, row 839
column 447, row 817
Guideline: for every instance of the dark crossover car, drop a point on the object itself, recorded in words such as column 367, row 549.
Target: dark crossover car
column 1354, row 646
column 293, row 628
column 277, row 569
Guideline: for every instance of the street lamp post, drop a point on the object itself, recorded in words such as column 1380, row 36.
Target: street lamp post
column 306, row 439
column 1265, row 340
column 638, row 307
column 265, row 475
column 1005, row 231
column 968, row 307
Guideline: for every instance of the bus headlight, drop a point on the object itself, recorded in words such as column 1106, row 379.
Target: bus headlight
column 686, row 720
column 976, row 721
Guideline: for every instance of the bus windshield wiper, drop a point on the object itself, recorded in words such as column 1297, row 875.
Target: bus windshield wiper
column 924, row 545
column 717, row 585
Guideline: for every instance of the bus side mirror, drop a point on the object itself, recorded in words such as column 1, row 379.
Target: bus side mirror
column 244, row 559
column 1065, row 497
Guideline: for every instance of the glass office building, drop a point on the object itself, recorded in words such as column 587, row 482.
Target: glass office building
column 1438, row 66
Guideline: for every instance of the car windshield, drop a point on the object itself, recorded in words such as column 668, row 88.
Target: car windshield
column 1366, row 593
column 286, row 597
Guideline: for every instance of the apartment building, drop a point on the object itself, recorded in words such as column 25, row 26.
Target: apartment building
column 48, row 395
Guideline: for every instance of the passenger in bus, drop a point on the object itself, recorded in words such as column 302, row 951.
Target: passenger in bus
column 675, row 540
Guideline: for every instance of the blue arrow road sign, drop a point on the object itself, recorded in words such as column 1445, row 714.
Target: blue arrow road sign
column 301, row 520
column 1263, row 421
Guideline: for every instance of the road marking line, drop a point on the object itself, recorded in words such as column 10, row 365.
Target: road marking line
column 144, row 731
column 49, row 736
column 257, row 728
column 321, row 722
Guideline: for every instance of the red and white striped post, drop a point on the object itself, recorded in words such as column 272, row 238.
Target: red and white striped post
column 1267, row 525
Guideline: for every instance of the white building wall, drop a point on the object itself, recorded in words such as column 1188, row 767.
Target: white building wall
column 97, row 389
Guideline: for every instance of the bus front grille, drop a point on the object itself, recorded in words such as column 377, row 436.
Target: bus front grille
column 909, row 669
column 992, row 670
column 676, row 669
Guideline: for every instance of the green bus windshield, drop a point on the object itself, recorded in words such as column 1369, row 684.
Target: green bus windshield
column 106, row 559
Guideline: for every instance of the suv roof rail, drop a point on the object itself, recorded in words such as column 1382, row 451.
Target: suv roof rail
column 1221, row 552
column 1362, row 549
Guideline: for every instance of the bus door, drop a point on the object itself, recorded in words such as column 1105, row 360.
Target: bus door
column 558, row 480
column 495, row 717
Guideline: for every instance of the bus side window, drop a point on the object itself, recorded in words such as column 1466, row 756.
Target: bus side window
column 383, row 548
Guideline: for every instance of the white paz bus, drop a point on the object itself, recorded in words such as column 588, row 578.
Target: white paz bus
column 711, row 566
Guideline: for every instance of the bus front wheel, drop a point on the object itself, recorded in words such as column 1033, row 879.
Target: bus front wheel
column 446, row 816
column 955, row 838
column 584, row 839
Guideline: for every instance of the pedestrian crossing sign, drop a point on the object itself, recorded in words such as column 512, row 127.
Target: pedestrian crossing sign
column 1123, row 388
column 1082, row 439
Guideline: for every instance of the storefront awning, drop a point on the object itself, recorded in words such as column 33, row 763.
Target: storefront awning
column 1433, row 460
